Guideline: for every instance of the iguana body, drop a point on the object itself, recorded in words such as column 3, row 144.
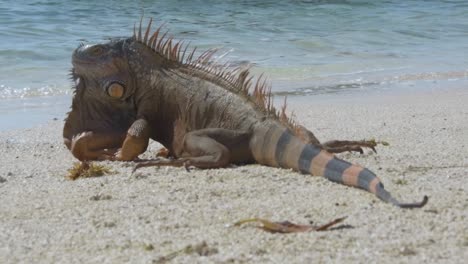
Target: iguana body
column 131, row 90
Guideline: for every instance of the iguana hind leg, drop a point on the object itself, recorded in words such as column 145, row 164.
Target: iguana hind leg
column 208, row 148
column 334, row 146
column 338, row 146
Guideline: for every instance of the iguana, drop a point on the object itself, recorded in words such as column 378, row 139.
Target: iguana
column 130, row 90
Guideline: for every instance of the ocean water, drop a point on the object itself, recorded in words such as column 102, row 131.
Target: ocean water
column 304, row 47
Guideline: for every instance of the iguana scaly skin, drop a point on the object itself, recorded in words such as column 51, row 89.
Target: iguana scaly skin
column 130, row 90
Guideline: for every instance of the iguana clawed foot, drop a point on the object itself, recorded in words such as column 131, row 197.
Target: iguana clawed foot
column 338, row 146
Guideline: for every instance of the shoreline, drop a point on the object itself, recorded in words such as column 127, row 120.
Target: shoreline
column 157, row 211
column 37, row 110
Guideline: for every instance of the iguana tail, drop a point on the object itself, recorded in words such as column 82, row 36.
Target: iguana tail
column 274, row 145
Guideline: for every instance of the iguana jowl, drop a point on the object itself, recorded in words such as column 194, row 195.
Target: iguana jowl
column 147, row 86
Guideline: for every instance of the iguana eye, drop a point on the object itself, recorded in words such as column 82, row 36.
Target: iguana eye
column 115, row 90
column 96, row 50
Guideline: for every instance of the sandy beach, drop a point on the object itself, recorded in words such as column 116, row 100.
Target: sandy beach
column 170, row 214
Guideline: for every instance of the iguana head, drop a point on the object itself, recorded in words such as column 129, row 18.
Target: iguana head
column 104, row 87
column 104, row 67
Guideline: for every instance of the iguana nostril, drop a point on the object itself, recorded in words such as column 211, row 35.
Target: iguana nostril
column 115, row 90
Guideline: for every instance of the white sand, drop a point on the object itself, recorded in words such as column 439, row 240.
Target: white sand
column 45, row 218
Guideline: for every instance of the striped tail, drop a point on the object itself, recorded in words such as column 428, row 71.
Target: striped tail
column 276, row 146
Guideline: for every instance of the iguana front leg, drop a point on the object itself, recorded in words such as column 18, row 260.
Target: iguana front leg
column 208, row 148
column 94, row 146
column 334, row 146
column 135, row 142
column 111, row 146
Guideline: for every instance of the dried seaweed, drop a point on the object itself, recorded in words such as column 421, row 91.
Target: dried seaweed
column 86, row 170
column 286, row 226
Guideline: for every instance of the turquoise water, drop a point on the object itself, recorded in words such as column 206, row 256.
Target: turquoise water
column 305, row 47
